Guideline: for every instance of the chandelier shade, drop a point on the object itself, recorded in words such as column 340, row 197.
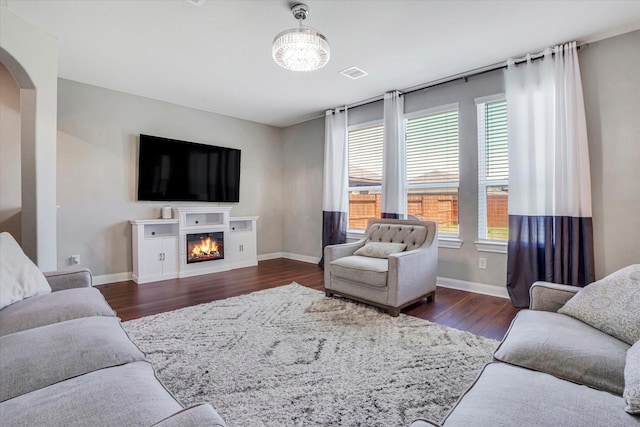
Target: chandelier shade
column 301, row 49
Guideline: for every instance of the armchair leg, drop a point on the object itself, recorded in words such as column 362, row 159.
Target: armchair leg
column 328, row 293
column 394, row 311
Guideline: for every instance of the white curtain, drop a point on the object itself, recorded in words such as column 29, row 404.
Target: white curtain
column 550, row 226
column 394, row 170
column 335, row 202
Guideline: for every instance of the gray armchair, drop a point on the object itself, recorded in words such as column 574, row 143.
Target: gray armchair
column 375, row 276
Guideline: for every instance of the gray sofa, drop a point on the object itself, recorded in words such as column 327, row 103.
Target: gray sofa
column 66, row 361
column 550, row 370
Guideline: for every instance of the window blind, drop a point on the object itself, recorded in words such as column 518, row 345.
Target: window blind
column 496, row 147
column 493, row 171
column 432, row 148
column 365, row 156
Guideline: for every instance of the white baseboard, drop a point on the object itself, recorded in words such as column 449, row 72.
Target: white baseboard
column 111, row 278
column 289, row 255
column 272, row 255
column 478, row 288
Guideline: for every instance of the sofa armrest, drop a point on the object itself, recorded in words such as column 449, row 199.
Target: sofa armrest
column 68, row 279
column 547, row 296
column 423, row 422
column 198, row 415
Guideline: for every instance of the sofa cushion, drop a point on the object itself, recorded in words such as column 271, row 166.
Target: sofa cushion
column 361, row 269
column 632, row 380
column 565, row 347
column 198, row 415
column 611, row 304
column 505, row 395
column 52, row 308
column 19, row 276
column 380, row 249
column 42, row 356
column 127, row 395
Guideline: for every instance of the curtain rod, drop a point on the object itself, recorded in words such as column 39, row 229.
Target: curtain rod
column 461, row 76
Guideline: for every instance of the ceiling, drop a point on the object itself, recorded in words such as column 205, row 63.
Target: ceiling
column 216, row 56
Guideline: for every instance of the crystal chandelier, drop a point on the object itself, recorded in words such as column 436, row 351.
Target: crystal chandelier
column 301, row 49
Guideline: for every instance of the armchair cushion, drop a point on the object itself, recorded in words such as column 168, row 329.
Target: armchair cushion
column 632, row 380
column 611, row 305
column 380, row 249
column 372, row 271
column 19, row 276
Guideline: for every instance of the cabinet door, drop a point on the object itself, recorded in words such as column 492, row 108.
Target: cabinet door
column 242, row 248
column 170, row 258
column 151, row 259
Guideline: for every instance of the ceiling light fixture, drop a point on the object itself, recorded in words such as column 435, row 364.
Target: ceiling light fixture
column 302, row 48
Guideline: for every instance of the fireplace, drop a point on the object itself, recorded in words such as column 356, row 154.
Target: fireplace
column 205, row 247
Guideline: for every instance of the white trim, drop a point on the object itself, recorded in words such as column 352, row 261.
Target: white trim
column 303, row 258
column 272, row 255
column 111, row 278
column 478, row 288
column 433, row 110
column 289, row 255
column 449, row 242
column 490, row 98
column 363, row 125
column 491, row 246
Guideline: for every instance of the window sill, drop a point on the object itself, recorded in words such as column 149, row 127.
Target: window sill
column 491, row 246
column 449, row 242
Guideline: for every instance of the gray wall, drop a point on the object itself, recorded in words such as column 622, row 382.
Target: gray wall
column 611, row 82
column 10, row 171
column 303, row 158
column 97, row 170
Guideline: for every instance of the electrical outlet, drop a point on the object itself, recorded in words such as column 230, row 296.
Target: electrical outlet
column 74, row 260
column 482, row 263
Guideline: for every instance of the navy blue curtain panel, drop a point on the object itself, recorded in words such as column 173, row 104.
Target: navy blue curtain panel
column 556, row 249
column 334, row 230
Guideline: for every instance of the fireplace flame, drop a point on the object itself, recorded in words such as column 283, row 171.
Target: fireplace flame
column 207, row 247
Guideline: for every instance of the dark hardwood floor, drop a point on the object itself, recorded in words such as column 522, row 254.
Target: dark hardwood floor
column 479, row 314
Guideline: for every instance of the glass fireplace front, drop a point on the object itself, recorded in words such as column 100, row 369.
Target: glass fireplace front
column 205, row 247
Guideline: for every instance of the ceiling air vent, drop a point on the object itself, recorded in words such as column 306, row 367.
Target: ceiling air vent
column 353, row 73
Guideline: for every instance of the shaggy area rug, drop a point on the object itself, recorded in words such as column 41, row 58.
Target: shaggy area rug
column 289, row 356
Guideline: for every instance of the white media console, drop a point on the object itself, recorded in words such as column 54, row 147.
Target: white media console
column 162, row 248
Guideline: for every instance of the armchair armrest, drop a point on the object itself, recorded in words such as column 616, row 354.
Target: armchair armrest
column 333, row 252
column 416, row 270
column 68, row 279
column 547, row 296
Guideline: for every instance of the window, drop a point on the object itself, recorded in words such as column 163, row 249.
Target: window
column 493, row 169
column 433, row 168
column 365, row 175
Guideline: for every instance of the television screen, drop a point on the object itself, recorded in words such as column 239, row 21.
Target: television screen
column 172, row 170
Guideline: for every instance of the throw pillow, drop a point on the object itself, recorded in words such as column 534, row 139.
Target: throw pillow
column 632, row 380
column 380, row 249
column 611, row 305
column 19, row 276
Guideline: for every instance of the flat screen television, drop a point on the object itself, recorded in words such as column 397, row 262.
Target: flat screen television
column 181, row 171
